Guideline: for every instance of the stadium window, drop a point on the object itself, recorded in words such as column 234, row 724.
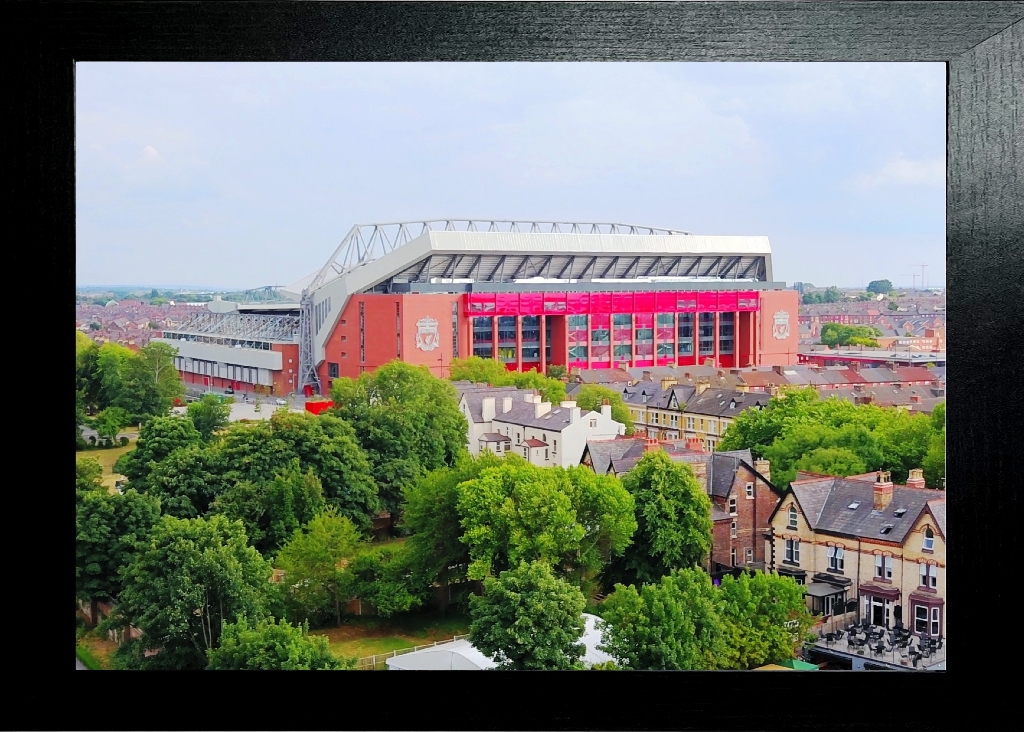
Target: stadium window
column 332, row 370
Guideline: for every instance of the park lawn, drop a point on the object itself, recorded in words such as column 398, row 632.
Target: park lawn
column 359, row 637
column 99, row 647
column 106, row 459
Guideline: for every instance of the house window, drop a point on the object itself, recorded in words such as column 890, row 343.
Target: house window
column 689, row 423
column 750, row 490
column 936, row 625
column 554, row 447
column 929, row 539
column 921, row 618
column 675, row 420
column 732, row 530
column 883, row 567
column 929, row 575
column 792, row 517
column 593, row 424
column 835, row 558
column 332, row 370
column 732, row 557
column 545, row 453
column 749, row 553
column 732, row 506
column 793, row 551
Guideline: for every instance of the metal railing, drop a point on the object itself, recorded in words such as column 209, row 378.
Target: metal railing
column 379, row 659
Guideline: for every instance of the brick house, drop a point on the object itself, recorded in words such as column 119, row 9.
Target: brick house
column 870, row 549
column 742, row 495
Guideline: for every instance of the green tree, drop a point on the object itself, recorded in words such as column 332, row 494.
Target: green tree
column 488, row 371
column 757, row 429
column 765, row 616
column 273, row 646
column 88, row 376
column 88, row 476
column 519, row 512
column 272, row 511
column 892, row 306
column 673, row 515
column 110, row 421
column 182, row 586
column 529, row 619
column 112, row 364
column 592, row 396
column 311, row 561
column 837, row 334
column 158, row 438
column 385, row 577
column 674, row 624
column 557, row 371
column 430, row 513
column 158, row 361
column 325, row 444
column 186, row 482
column 208, row 415
column 408, row 422
column 107, row 529
column 880, row 287
column 831, row 461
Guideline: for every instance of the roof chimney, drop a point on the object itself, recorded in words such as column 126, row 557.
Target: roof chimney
column 882, row 490
column 694, row 444
column 651, row 445
column 916, row 479
column 916, row 399
column 606, row 409
column 764, row 468
column 703, row 385
column 709, row 362
column 487, row 408
column 646, row 376
column 777, row 369
column 569, row 404
column 506, row 405
column 669, row 381
column 855, row 365
column 541, row 408
column 574, row 414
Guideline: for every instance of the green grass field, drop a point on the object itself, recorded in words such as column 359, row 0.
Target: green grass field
column 359, row 637
column 106, row 459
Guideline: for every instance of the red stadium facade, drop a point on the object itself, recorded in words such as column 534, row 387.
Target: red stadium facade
column 534, row 330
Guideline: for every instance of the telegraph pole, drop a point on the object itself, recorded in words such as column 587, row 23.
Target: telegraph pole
column 914, row 275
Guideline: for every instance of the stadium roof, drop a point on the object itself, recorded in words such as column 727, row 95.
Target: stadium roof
column 464, row 255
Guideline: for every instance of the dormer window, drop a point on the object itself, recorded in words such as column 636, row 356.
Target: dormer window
column 854, row 506
column 886, row 529
column 792, row 517
column 929, row 539
column 899, row 512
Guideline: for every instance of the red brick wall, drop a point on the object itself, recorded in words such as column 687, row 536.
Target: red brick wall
column 287, row 379
column 773, row 351
column 751, row 520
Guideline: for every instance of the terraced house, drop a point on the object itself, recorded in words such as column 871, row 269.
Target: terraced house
column 865, row 548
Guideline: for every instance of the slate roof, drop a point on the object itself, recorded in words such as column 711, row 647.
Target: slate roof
column 825, row 503
column 494, row 437
column 604, row 376
column 722, row 470
column 938, row 509
column 718, row 514
column 522, row 414
column 476, row 393
column 656, row 396
column 724, row 402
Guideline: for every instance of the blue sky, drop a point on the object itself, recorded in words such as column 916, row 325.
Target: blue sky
column 244, row 175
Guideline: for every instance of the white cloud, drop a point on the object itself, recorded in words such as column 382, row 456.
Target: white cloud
column 903, row 172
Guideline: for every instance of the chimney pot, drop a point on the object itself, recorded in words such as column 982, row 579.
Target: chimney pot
column 916, row 479
column 764, row 467
column 882, row 493
column 487, row 409
column 506, row 405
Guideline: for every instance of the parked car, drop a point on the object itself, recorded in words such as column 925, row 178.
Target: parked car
column 282, row 402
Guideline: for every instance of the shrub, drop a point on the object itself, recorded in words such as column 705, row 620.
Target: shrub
column 123, row 441
column 92, row 440
column 106, row 443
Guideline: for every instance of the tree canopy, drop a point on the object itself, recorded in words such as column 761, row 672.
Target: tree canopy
column 837, row 334
column 488, row 371
column 592, row 396
column 312, row 561
column 672, row 624
column 208, row 415
column 828, row 295
column 158, row 438
column 800, row 431
column 107, row 529
column 408, row 422
column 529, row 619
column 516, row 512
column 880, row 287
column 765, row 616
column 673, row 516
column 273, row 646
column 181, row 586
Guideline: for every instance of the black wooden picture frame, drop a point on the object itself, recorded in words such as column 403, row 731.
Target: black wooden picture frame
column 982, row 44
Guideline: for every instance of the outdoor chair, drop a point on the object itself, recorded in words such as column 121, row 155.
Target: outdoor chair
column 839, row 635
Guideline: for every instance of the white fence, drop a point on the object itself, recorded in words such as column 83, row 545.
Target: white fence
column 377, row 661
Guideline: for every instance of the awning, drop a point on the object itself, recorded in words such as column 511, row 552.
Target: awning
column 823, row 589
column 798, row 665
column 773, row 667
